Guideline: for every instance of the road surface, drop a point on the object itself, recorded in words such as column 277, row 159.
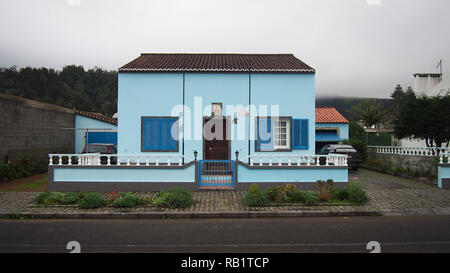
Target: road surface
column 267, row 235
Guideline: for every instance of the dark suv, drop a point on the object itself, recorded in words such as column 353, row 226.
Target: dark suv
column 102, row 148
column 353, row 157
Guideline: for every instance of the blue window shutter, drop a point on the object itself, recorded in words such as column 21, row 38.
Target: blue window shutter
column 157, row 134
column 300, row 134
column 296, row 136
column 172, row 134
column 163, row 130
column 305, row 134
column 264, row 134
column 151, row 134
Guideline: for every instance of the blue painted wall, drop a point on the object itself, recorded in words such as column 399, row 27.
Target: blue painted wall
column 229, row 89
column 443, row 172
column 343, row 130
column 290, row 175
column 155, row 94
column 295, row 94
column 144, row 94
column 85, row 122
column 124, row 175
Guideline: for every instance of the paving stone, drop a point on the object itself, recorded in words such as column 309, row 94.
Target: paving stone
column 409, row 198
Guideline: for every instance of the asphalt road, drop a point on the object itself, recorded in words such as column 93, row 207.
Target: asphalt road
column 277, row 235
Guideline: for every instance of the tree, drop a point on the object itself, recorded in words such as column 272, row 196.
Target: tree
column 94, row 90
column 398, row 95
column 369, row 112
column 424, row 118
column 356, row 130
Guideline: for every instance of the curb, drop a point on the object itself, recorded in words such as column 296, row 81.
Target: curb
column 171, row 215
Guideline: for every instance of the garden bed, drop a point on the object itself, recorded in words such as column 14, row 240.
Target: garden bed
column 326, row 195
column 171, row 198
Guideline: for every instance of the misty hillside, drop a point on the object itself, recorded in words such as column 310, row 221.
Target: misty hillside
column 344, row 104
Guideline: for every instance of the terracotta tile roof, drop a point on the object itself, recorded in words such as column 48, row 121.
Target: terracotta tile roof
column 262, row 63
column 329, row 115
column 97, row 116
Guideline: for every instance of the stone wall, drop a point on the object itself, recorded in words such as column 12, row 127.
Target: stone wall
column 413, row 162
column 33, row 128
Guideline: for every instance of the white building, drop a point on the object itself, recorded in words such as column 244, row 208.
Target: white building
column 430, row 84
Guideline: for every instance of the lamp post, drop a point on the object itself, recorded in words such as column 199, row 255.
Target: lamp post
column 195, row 155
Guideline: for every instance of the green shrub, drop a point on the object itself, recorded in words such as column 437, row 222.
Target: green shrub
column 294, row 197
column 49, row 198
column 277, row 194
column 339, row 194
column 395, row 170
column 256, row 199
column 39, row 199
column 254, row 188
column 91, row 201
column 324, row 188
column 290, row 188
column 123, row 202
column 310, row 198
column 57, row 198
column 128, row 200
column 71, row 198
column 356, row 194
column 21, row 168
column 7, row 172
column 174, row 198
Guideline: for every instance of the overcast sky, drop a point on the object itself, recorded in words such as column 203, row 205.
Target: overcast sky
column 358, row 47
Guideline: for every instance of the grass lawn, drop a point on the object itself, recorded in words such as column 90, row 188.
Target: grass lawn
column 33, row 183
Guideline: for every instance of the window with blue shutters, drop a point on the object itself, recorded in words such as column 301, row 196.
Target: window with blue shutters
column 282, row 134
column 300, row 134
column 159, row 134
column 273, row 134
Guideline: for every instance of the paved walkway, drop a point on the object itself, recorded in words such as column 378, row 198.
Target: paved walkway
column 389, row 195
column 395, row 195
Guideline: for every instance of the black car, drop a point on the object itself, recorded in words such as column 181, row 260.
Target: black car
column 102, row 148
column 353, row 156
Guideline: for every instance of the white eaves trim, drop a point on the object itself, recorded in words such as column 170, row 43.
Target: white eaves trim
column 211, row 70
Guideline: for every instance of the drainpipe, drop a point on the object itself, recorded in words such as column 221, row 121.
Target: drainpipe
column 182, row 149
column 249, row 103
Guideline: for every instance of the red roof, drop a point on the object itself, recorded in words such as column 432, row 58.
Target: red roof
column 97, row 116
column 329, row 115
column 182, row 62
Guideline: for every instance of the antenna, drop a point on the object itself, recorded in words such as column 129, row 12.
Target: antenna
column 440, row 65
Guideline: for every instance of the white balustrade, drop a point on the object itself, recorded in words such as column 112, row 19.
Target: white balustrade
column 419, row 151
column 314, row 160
column 138, row 160
column 114, row 160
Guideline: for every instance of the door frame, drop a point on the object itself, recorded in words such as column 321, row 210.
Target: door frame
column 228, row 136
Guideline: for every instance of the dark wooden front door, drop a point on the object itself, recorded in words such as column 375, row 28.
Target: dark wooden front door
column 216, row 141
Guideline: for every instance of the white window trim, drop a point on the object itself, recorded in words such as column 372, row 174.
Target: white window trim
column 288, row 134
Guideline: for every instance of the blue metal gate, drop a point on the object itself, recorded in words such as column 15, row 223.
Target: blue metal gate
column 216, row 174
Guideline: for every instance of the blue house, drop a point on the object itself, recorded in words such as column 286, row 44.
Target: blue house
column 331, row 127
column 209, row 121
column 93, row 128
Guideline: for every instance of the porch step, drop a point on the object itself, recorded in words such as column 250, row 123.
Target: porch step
column 216, row 188
column 216, row 174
